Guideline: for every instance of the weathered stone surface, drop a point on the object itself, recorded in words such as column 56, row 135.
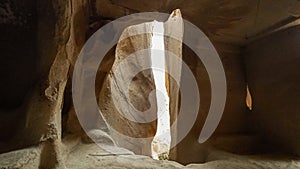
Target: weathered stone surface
column 91, row 156
column 44, row 104
column 58, row 40
column 21, row 159
column 173, row 30
column 140, row 88
column 107, row 8
column 232, row 21
column 98, row 136
column 49, row 34
column 94, row 157
column 142, row 84
column 39, row 116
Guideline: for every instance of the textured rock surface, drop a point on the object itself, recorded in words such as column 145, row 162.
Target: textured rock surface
column 56, row 43
column 41, row 39
column 142, row 84
column 173, row 28
column 91, row 156
column 232, row 21
column 39, row 118
column 25, row 158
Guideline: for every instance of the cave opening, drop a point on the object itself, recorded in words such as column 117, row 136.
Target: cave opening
column 160, row 145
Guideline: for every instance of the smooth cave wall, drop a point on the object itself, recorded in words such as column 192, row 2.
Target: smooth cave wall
column 232, row 133
column 272, row 66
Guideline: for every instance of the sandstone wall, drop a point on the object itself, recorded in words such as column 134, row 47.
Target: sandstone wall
column 272, row 65
column 235, row 118
column 233, row 125
column 18, row 61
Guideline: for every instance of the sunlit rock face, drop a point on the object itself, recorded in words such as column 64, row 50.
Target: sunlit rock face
column 40, row 41
column 167, row 37
column 139, row 89
column 141, row 92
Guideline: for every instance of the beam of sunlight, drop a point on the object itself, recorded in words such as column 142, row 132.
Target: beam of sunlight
column 161, row 143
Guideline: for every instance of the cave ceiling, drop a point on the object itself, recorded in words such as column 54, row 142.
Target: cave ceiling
column 230, row 21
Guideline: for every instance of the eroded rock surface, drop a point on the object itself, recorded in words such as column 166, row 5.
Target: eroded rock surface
column 141, row 85
column 41, row 40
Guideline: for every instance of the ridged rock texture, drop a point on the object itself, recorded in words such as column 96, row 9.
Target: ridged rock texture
column 142, row 84
column 258, row 44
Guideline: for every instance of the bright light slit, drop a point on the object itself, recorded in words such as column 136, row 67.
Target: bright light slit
column 161, row 143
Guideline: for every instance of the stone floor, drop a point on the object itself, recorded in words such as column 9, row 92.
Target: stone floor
column 90, row 156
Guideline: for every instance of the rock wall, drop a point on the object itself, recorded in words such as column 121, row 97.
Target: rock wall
column 141, row 96
column 48, row 36
column 232, row 132
column 61, row 29
column 18, row 61
column 272, row 65
column 40, row 41
column 235, row 118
